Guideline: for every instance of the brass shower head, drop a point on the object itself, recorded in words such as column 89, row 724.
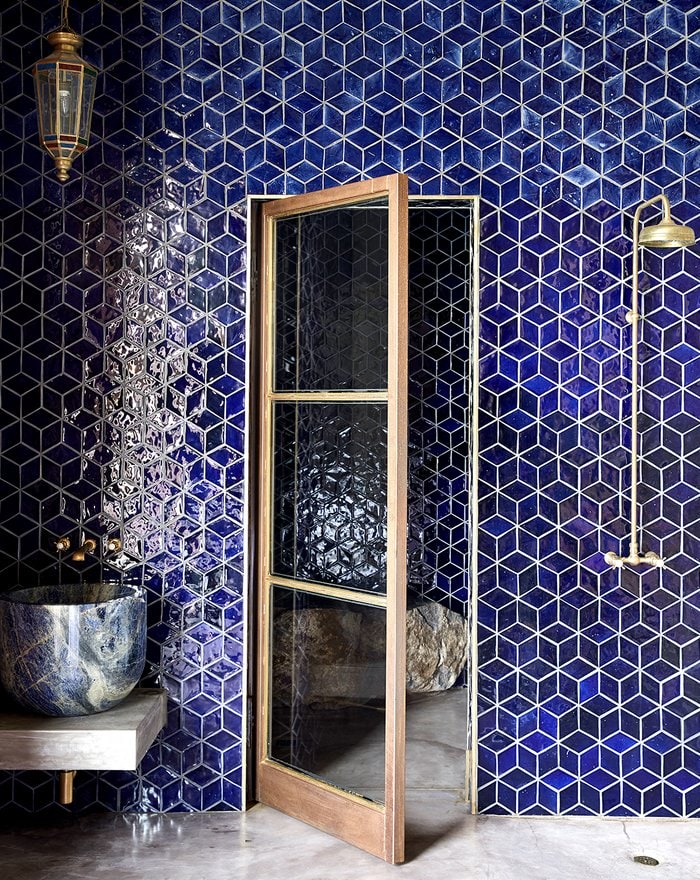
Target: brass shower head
column 666, row 234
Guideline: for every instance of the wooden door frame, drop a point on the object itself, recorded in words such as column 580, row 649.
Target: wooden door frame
column 254, row 203
column 376, row 828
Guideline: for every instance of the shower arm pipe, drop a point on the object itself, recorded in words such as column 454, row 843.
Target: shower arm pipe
column 633, row 317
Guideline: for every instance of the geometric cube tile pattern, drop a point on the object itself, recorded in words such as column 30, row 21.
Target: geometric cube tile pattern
column 123, row 351
column 440, row 290
column 589, row 679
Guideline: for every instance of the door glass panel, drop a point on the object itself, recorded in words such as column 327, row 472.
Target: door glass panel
column 329, row 491
column 328, row 690
column 331, row 275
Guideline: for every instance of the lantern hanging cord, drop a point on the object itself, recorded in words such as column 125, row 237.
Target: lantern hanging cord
column 64, row 16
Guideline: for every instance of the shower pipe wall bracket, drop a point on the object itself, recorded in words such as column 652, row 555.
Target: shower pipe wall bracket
column 648, row 558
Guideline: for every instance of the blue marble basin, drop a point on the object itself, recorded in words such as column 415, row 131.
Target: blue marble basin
column 76, row 649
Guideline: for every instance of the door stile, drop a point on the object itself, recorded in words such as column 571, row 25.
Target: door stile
column 397, row 479
column 265, row 494
column 376, row 828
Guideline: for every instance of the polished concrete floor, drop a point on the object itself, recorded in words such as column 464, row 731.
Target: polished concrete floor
column 436, row 744
column 444, row 842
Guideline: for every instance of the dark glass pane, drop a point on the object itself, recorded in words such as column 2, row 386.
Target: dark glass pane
column 328, row 690
column 329, row 493
column 331, row 289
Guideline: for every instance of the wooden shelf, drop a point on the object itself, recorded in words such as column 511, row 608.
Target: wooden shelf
column 113, row 740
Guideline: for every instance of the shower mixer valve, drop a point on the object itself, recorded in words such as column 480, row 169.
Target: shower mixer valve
column 649, row 558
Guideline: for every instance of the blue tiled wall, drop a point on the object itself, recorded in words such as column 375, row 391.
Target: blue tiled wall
column 588, row 685
column 123, row 296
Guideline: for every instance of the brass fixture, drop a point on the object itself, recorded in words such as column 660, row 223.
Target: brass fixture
column 65, row 786
column 664, row 234
column 62, row 544
column 113, row 545
column 89, row 545
column 65, row 91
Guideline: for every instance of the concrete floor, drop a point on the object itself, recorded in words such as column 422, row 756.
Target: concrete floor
column 445, row 843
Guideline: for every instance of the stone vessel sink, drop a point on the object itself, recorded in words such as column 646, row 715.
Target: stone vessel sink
column 76, row 649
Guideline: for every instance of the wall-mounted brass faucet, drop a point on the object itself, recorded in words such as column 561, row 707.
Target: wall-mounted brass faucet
column 89, row 545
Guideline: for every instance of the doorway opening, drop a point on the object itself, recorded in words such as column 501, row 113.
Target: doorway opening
column 442, row 462
column 440, row 559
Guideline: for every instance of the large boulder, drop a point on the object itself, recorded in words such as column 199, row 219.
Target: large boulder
column 436, row 647
column 340, row 652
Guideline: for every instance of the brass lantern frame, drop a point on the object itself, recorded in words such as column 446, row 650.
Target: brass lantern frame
column 65, row 91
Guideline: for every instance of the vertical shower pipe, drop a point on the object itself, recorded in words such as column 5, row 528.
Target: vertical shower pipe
column 632, row 317
column 665, row 234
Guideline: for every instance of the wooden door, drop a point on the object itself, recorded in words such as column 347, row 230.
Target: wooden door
column 332, row 512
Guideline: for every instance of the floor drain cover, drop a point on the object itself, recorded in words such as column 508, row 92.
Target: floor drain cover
column 646, row 860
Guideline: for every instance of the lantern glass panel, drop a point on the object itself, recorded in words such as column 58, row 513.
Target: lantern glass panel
column 68, row 101
column 46, row 100
column 88, row 97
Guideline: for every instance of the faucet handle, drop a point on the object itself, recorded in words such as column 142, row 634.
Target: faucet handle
column 113, row 545
column 62, row 544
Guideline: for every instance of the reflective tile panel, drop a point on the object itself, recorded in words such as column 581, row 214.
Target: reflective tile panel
column 331, row 288
column 329, row 493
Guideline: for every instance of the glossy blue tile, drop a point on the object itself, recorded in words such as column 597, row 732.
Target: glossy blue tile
column 553, row 153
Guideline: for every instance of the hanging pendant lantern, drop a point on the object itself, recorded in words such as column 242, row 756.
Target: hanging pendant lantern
column 65, row 91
